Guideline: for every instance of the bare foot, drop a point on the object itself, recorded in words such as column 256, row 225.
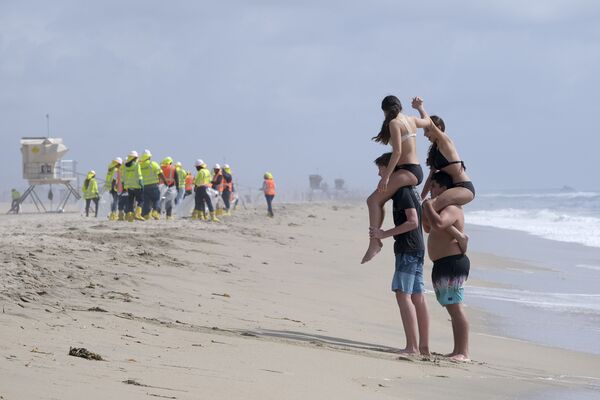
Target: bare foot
column 407, row 351
column 463, row 243
column 375, row 246
column 450, row 354
column 424, row 351
column 460, row 358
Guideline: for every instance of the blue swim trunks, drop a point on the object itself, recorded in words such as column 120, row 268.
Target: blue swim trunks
column 448, row 276
column 408, row 276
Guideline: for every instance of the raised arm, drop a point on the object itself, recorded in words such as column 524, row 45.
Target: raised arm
column 424, row 121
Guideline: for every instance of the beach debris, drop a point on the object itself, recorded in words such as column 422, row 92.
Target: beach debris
column 84, row 353
column 97, row 309
column 221, row 294
column 35, row 350
column 248, row 334
column 133, row 382
column 312, row 216
column 161, row 396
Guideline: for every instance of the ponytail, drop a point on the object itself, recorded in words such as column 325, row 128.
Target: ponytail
column 392, row 107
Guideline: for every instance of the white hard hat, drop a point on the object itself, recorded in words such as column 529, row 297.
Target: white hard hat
column 148, row 152
column 133, row 153
column 92, row 172
column 217, row 166
column 118, row 160
column 225, row 166
column 199, row 163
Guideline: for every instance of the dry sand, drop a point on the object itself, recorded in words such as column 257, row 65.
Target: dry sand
column 251, row 308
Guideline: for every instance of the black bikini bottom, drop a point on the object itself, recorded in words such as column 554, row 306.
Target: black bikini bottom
column 414, row 169
column 467, row 185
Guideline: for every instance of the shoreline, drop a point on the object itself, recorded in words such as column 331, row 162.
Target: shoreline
column 251, row 306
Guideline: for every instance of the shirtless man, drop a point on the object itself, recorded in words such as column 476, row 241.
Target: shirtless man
column 450, row 264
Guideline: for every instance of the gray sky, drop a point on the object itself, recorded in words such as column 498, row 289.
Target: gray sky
column 294, row 87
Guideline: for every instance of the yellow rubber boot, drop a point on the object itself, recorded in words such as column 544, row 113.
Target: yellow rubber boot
column 195, row 214
column 218, row 212
column 203, row 215
column 155, row 214
column 213, row 218
column 121, row 216
column 138, row 214
column 130, row 217
column 169, row 218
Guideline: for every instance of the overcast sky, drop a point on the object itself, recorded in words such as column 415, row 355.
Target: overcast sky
column 294, row 87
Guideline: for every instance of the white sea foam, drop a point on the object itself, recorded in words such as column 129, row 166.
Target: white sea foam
column 569, row 302
column 564, row 227
column 586, row 266
column 565, row 196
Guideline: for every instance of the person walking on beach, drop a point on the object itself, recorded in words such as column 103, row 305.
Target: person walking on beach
column 151, row 175
column 16, row 198
column 189, row 184
column 462, row 191
column 113, row 184
column 399, row 131
column 227, row 188
column 90, row 193
column 133, row 185
column 450, row 265
column 171, row 182
column 409, row 250
column 268, row 188
column 202, row 200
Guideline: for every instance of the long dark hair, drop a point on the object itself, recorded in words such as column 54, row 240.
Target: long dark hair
column 392, row 106
column 433, row 149
column 86, row 184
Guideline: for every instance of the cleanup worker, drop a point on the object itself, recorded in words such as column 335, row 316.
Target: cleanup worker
column 151, row 176
column 133, row 185
column 189, row 184
column 181, row 175
column 269, row 190
column 171, row 182
column 114, row 186
column 227, row 188
column 90, row 192
column 201, row 184
column 15, row 205
column 218, row 184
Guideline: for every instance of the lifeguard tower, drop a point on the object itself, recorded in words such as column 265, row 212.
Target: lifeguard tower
column 42, row 165
column 317, row 187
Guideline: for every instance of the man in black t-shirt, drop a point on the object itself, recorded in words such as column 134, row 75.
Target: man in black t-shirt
column 408, row 276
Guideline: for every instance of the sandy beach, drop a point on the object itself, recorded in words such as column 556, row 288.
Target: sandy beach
column 250, row 308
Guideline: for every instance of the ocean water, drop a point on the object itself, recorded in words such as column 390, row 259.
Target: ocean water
column 557, row 304
column 572, row 217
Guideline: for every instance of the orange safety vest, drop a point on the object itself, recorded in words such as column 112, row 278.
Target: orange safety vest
column 270, row 187
column 189, row 183
column 221, row 186
column 169, row 173
column 119, row 183
column 228, row 185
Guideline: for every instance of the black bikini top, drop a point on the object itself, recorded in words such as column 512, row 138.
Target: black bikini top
column 439, row 161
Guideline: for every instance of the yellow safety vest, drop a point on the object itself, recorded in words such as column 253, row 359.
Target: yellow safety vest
column 132, row 176
column 150, row 171
column 180, row 176
column 203, row 178
column 92, row 190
